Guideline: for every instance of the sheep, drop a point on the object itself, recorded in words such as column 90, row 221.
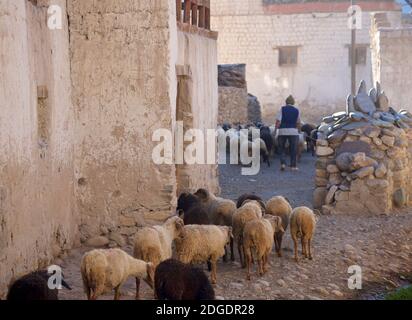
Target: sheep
column 302, row 225
column 307, row 130
column 245, row 197
column 34, row 286
column 279, row 206
column 248, row 212
column 258, row 236
column 257, row 144
column 219, row 210
column 154, row 244
column 106, row 269
column 175, row 280
column 265, row 135
column 202, row 243
column 191, row 209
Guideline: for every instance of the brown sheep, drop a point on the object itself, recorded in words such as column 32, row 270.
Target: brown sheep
column 220, row 212
column 279, row 206
column 258, row 236
column 302, row 225
column 249, row 211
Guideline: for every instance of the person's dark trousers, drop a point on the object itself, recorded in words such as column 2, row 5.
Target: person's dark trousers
column 293, row 145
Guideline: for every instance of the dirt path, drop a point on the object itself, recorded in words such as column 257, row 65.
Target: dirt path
column 381, row 245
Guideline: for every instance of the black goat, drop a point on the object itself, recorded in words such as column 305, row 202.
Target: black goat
column 192, row 209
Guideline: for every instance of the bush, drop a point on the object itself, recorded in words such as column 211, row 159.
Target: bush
column 402, row 294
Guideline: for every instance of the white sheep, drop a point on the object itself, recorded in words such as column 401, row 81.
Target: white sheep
column 106, row 269
column 258, row 237
column 154, row 244
column 203, row 243
column 279, row 206
column 302, row 225
column 249, row 211
column 219, row 210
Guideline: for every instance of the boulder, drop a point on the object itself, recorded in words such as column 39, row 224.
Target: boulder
column 343, row 161
column 330, row 197
column 388, row 140
column 381, row 171
column 324, row 151
column 332, row 168
column 363, row 172
column 363, row 102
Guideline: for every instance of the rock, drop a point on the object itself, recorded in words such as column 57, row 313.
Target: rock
column 254, row 109
column 372, row 132
column 127, row 221
column 324, row 151
column 354, row 125
column 118, row 238
column 236, row 286
column 281, row 283
column 356, row 116
column 383, row 102
column 98, row 241
column 327, row 210
column 388, row 140
column 377, row 141
column 378, row 154
column 335, row 179
column 319, row 196
column 354, row 147
column 321, row 182
column 363, row 102
column 321, row 173
column 337, row 293
column 343, row 161
column 400, row 198
column 342, row 195
column 363, row 172
column 365, row 139
column 330, row 197
column 360, row 160
column 382, row 124
column 332, row 168
column 388, row 132
column 127, row 231
column 232, row 75
column 337, row 136
column 322, row 291
column 381, row 171
column 350, row 104
column 394, row 152
column 264, row 283
column 219, row 298
column 322, row 143
column 377, row 184
column 387, row 117
column 373, row 95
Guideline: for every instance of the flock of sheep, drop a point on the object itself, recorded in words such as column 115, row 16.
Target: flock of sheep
column 204, row 229
column 267, row 142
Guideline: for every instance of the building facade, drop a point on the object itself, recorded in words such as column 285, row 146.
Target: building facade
column 296, row 47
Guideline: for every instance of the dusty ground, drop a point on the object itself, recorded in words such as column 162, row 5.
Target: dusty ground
column 381, row 245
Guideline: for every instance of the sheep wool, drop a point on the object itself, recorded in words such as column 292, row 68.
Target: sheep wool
column 279, row 206
column 106, row 269
column 203, row 243
column 248, row 212
column 302, row 225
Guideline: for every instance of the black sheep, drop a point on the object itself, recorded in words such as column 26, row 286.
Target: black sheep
column 248, row 196
column 175, row 280
column 192, row 209
column 34, row 286
column 307, row 129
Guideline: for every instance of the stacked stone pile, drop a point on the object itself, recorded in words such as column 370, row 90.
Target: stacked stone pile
column 364, row 157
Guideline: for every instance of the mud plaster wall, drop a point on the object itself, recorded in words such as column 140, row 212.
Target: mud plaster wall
column 122, row 77
column 37, row 209
column 321, row 78
column 200, row 54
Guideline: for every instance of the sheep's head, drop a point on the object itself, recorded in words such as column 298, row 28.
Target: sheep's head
column 276, row 223
column 260, row 203
column 229, row 234
column 203, row 195
column 150, row 271
column 175, row 224
column 186, row 201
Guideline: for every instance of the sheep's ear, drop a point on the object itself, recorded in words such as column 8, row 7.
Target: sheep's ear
column 287, row 199
column 179, row 224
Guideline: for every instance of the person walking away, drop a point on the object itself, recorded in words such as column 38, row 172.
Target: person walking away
column 288, row 123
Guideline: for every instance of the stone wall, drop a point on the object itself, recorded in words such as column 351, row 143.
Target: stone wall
column 233, row 95
column 38, row 216
column 391, row 51
column 250, row 33
column 124, row 88
column 364, row 157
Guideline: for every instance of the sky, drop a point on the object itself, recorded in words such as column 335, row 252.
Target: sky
column 406, row 8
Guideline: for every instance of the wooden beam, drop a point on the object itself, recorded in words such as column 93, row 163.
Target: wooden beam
column 194, row 14
column 179, row 10
column 188, row 9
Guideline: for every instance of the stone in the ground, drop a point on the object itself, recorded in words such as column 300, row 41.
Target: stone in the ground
column 337, row 293
column 281, row 283
column 381, row 171
column 335, row 179
column 324, row 151
column 236, row 285
column 319, row 196
column 327, row 210
column 330, row 197
column 400, row 198
column 372, row 132
column 264, row 283
column 322, row 291
column 98, row 241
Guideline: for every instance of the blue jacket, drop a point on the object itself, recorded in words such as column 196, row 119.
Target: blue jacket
column 290, row 116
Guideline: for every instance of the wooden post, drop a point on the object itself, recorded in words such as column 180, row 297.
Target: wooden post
column 202, row 16
column 194, row 14
column 179, row 10
column 188, row 9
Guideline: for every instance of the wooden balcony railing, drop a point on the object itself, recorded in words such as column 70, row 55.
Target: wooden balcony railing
column 194, row 13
